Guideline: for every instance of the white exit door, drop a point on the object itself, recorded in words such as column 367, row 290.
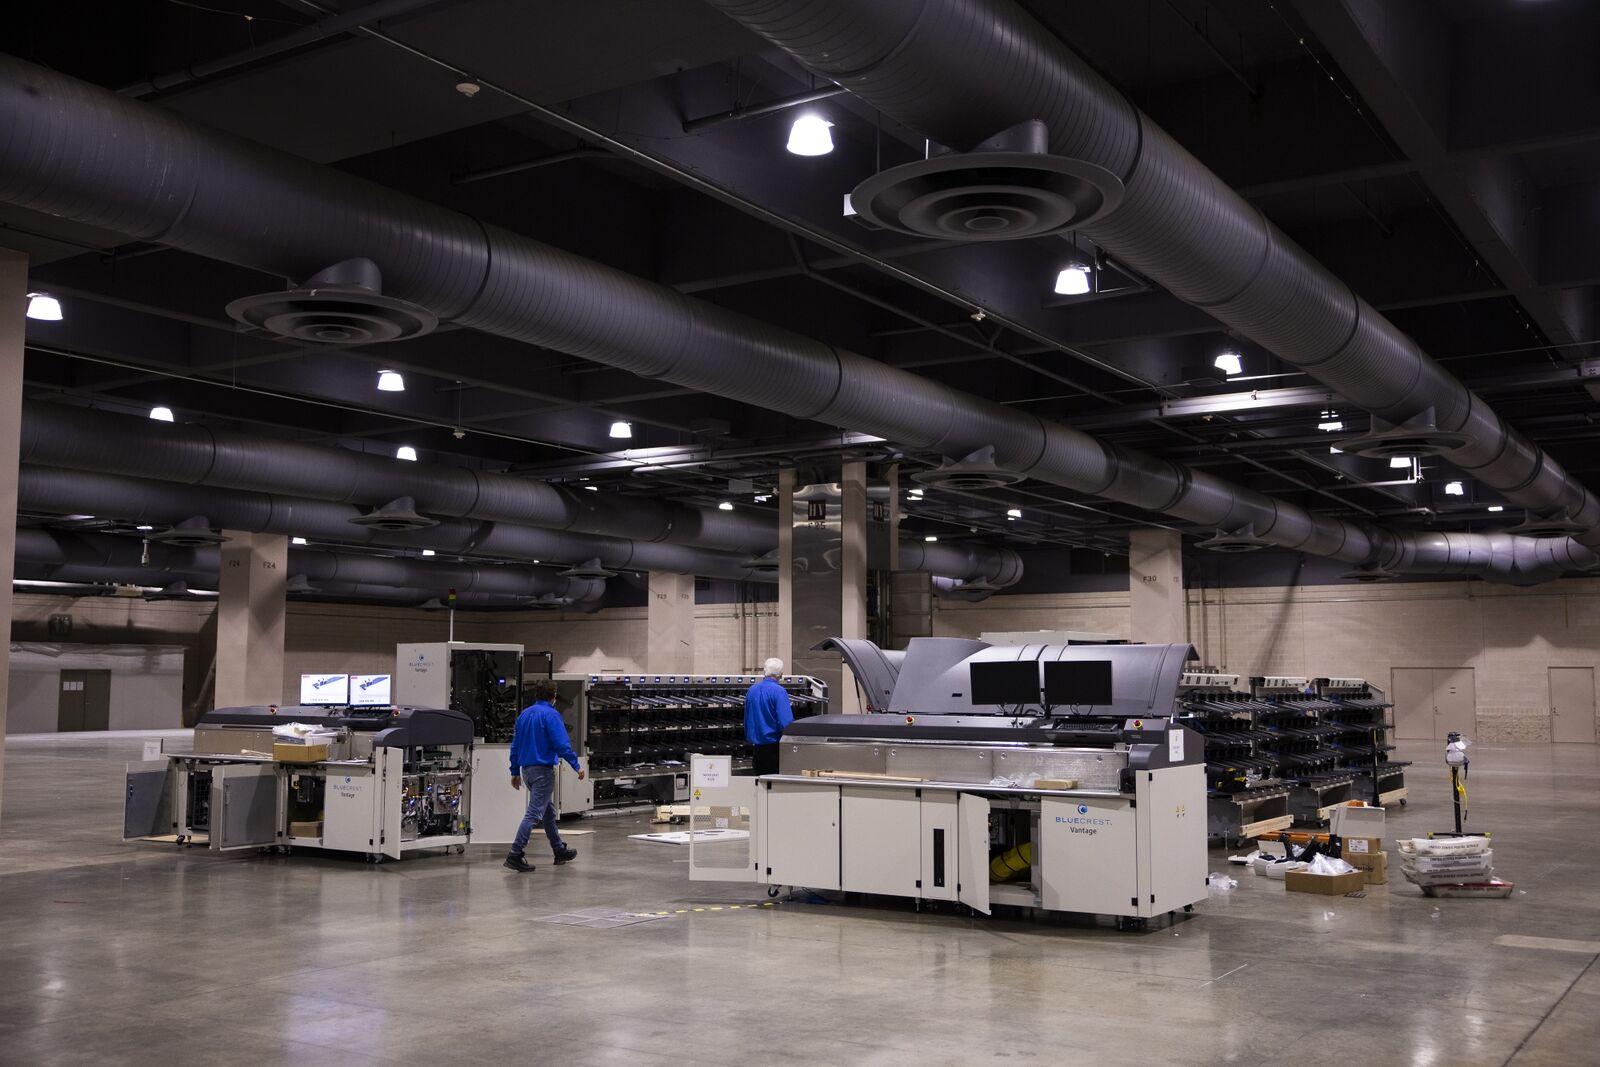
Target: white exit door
column 1572, row 715
column 1411, row 689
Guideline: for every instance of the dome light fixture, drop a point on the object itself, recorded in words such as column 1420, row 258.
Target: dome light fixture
column 44, row 307
column 406, row 452
column 298, row 541
column 1228, row 363
column 1399, row 463
column 427, row 552
column 931, row 537
column 391, row 381
column 810, row 136
column 622, row 430
column 1013, row 513
column 1496, row 507
column 726, row 505
column 1454, row 489
column 161, row 414
column 1073, row 281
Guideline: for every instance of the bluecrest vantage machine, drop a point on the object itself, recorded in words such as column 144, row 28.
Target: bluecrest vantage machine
column 1042, row 776
column 395, row 779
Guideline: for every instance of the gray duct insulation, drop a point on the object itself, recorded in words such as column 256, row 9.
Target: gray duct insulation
column 101, row 557
column 55, row 435
column 136, row 500
column 81, row 153
column 960, row 71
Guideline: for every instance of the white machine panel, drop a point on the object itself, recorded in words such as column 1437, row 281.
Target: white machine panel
column 1170, row 804
column 1087, row 854
column 972, row 852
column 941, row 822
column 391, row 780
column 880, row 837
column 800, row 837
column 347, row 810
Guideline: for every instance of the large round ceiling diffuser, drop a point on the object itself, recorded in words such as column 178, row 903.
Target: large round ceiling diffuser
column 343, row 305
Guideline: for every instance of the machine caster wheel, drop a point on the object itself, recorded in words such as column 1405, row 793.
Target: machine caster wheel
column 373, row 857
column 1402, row 802
column 284, row 850
column 461, row 850
column 773, row 892
column 1188, row 907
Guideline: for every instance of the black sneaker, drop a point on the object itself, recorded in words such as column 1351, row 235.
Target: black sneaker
column 518, row 864
column 566, row 855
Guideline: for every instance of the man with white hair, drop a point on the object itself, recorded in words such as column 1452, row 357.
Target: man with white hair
column 766, row 715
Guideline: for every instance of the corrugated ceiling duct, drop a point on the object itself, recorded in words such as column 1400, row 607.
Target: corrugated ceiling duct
column 81, row 153
column 140, row 500
column 960, row 71
column 71, row 556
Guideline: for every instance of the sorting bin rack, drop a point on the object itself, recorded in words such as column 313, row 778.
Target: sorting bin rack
column 641, row 729
column 1245, row 797
column 1304, row 745
column 1365, row 740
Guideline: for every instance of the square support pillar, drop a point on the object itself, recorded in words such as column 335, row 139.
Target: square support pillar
column 250, row 619
column 1157, row 608
column 13, row 334
column 669, row 622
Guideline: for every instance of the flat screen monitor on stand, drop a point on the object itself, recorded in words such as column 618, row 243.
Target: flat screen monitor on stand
column 1005, row 683
column 1081, row 683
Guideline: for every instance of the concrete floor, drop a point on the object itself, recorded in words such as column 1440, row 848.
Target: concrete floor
column 147, row 953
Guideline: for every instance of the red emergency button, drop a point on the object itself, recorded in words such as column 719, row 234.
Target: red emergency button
column 1138, row 724
column 910, row 720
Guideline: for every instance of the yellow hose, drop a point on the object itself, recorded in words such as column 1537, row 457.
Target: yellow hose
column 1013, row 864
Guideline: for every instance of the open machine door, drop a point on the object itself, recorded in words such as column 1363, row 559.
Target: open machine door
column 724, row 833
column 244, row 806
column 972, row 853
column 147, row 803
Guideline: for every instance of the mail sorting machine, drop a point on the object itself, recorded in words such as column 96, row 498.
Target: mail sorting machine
column 397, row 779
column 1041, row 776
column 1301, row 743
column 1245, row 796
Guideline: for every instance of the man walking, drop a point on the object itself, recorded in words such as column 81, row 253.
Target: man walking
column 766, row 715
column 539, row 742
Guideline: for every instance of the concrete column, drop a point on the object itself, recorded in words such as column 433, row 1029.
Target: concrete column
column 852, row 574
column 669, row 622
column 13, row 331
column 783, row 645
column 250, row 618
column 1157, row 609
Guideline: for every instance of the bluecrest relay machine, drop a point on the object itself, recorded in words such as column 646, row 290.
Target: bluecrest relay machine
column 393, row 780
column 1042, row 776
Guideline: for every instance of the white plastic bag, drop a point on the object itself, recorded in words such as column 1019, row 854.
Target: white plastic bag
column 1328, row 865
column 1222, row 883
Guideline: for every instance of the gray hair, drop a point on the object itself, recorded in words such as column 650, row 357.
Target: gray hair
column 773, row 668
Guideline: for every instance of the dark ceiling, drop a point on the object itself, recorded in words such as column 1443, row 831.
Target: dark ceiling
column 1442, row 160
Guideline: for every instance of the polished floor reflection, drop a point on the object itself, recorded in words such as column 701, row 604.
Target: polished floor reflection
column 146, row 953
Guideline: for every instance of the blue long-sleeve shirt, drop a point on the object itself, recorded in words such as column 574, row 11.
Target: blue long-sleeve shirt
column 541, row 739
column 766, row 712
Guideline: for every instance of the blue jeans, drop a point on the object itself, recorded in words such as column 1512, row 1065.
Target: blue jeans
column 540, row 782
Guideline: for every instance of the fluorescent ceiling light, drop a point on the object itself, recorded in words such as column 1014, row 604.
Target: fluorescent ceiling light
column 622, row 430
column 161, row 414
column 1014, row 513
column 915, row 494
column 297, row 540
column 1330, row 425
column 391, row 381
column 427, row 552
column 1496, row 507
column 406, row 452
column 1228, row 363
column 1074, row 281
column 144, row 529
column 931, row 537
column 44, row 307
column 1454, row 489
column 810, row 136
column 1399, row 463
column 726, row 505
column 592, row 488
column 762, row 498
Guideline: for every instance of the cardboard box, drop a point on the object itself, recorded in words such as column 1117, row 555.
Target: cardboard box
column 305, row 829
column 1360, row 846
column 1353, row 821
column 1374, row 865
column 1328, row 885
column 299, row 753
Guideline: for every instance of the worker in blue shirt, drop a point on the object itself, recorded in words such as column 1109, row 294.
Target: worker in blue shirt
column 539, row 742
column 766, row 715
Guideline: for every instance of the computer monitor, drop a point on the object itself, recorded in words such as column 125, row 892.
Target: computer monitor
column 1077, row 683
column 367, row 689
column 324, row 689
column 1004, row 682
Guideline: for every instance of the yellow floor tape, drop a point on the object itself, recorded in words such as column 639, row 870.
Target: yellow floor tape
column 709, row 907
